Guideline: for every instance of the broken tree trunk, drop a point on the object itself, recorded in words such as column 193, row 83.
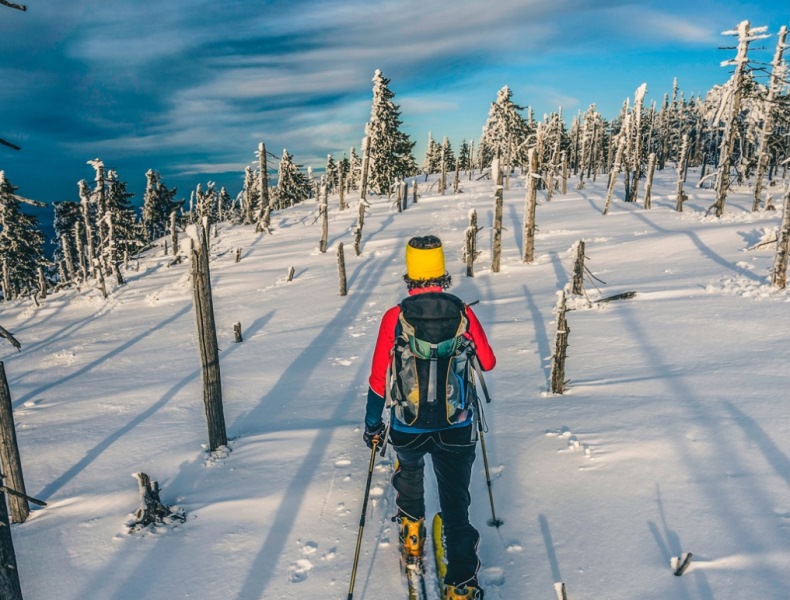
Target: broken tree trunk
column 779, row 274
column 151, row 510
column 533, row 179
column 560, row 346
column 341, row 270
column 10, row 588
column 10, row 462
column 207, row 342
column 470, row 247
column 577, row 287
column 498, row 201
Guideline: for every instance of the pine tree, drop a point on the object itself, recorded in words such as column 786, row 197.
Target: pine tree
column 390, row 148
column 157, row 205
column 505, row 130
column 21, row 244
column 465, row 156
column 67, row 215
column 433, row 156
column 331, row 174
column 292, row 185
column 124, row 234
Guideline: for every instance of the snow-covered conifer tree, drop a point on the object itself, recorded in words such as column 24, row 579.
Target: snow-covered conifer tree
column 505, row 130
column 157, row 205
column 21, row 244
column 390, row 148
column 292, row 185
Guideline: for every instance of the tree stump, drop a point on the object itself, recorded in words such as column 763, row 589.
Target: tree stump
column 151, row 510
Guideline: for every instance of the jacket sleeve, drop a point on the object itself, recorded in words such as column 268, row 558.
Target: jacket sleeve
column 484, row 352
column 378, row 368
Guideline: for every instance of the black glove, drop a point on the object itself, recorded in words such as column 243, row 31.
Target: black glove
column 373, row 434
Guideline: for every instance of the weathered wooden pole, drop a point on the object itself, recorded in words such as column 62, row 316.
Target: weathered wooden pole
column 341, row 270
column 779, row 273
column 577, row 287
column 533, row 179
column 237, row 332
column 10, row 588
column 560, row 346
column 323, row 214
column 10, row 462
column 496, row 253
column 651, row 170
column 470, row 248
column 207, row 342
column 680, row 195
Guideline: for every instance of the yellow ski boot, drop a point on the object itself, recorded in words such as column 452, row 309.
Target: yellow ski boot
column 462, row 592
column 412, row 540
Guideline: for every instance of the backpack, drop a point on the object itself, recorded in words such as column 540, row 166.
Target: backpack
column 429, row 383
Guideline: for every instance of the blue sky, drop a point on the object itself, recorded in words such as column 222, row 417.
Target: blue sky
column 190, row 88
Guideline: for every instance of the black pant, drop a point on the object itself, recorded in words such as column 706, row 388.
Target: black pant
column 452, row 453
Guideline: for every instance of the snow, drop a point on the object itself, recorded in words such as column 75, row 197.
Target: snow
column 672, row 437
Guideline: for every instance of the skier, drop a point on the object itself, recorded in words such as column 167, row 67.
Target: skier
column 450, row 441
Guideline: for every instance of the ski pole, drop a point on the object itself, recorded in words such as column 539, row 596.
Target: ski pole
column 493, row 522
column 373, row 450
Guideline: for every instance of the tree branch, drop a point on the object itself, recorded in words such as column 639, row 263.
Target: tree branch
column 21, row 7
column 4, row 142
column 7, row 335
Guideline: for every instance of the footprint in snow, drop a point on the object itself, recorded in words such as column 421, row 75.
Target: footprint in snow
column 297, row 571
column 342, row 462
column 309, row 548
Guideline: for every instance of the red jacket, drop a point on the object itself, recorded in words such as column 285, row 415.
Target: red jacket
column 386, row 341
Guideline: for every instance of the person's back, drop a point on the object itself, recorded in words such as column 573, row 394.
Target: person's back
column 420, row 371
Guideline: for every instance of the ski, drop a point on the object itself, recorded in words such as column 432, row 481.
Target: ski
column 437, row 531
column 415, row 577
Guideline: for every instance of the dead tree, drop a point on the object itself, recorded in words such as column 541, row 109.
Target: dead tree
column 779, row 273
column 358, row 229
column 496, row 254
column 237, row 337
column 614, row 172
column 470, row 247
column 9, row 454
column 560, row 346
column 21, row 7
column 681, row 170
column 533, row 178
column 746, row 35
column 341, row 270
column 774, row 89
column 363, row 186
column 7, row 335
column 10, row 589
column 323, row 214
column 577, row 287
column 207, row 342
column 651, row 171
column 151, row 510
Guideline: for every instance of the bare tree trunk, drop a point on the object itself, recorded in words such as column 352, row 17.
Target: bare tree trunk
column 564, row 172
column 10, row 588
column 341, row 191
column 207, row 342
column 323, row 214
column 10, row 462
column 614, row 172
column 577, row 287
column 533, row 179
column 443, row 174
column 774, row 88
column 64, row 244
column 237, row 337
column 779, row 275
column 363, row 187
column 560, row 346
column 496, row 254
column 681, row 197
column 457, row 179
column 470, row 247
column 358, row 229
column 651, row 170
column 728, row 139
column 341, row 270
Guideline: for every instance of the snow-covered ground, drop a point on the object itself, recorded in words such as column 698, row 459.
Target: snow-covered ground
column 673, row 436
